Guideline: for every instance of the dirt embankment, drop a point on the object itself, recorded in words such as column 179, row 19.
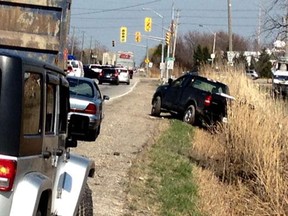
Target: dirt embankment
column 126, row 129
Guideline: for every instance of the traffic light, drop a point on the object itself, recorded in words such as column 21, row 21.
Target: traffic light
column 123, row 34
column 168, row 37
column 113, row 43
column 148, row 24
column 138, row 37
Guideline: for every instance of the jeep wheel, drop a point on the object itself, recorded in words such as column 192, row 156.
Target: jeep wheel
column 189, row 115
column 86, row 203
column 156, row 106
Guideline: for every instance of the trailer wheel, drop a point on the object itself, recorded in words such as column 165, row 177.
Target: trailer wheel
column 86, row 203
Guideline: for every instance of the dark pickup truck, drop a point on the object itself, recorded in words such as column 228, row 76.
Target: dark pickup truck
column 197, row 99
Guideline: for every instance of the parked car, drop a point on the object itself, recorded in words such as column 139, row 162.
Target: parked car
column 109, row 75
column 89, row 73
column 197, row 99
column 86, row 99
column 252, row 73
column 124, row 76
column 77, row 68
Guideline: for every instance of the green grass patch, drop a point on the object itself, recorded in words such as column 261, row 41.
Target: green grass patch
column 171, row 174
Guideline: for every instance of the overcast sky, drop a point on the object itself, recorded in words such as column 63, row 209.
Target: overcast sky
column 101, row 20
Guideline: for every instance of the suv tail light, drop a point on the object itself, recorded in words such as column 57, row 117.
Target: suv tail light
column 7, row 174
column 116, row 74
column 207, row 101
column 90, row 109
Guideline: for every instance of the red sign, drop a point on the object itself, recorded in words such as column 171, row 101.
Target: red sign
column 124, row 56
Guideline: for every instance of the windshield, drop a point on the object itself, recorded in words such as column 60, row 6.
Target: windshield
column 281, row 77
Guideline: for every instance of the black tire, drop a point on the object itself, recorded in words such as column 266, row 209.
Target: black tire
column 92, row 135
column 128, row 83
column 86, row 203
column 156, row 106
column 189, row 115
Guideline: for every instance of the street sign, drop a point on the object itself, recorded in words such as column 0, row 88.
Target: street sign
column 170, row 64
column 147, row 61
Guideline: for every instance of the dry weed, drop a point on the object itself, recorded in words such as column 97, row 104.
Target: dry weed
column 251, row 153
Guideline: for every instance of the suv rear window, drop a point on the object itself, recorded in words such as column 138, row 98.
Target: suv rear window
column 206, row 85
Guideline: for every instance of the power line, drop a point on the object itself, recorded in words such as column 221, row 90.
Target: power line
column 117, row 9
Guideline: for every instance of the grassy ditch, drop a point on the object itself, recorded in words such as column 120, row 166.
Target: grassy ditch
column 251, row 152
column 162, row 181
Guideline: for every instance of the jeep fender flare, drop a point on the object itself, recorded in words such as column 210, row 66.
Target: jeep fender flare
column 70, row 183
column 28, row 194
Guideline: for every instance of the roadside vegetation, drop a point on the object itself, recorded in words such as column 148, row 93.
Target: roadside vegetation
column 162, row 179
column 250, row 153
column 241, row 169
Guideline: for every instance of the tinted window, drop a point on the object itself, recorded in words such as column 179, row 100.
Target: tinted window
column 205, row 85
column 108, row 71
column 64, row 107
column 32, row 103
column 50, row 107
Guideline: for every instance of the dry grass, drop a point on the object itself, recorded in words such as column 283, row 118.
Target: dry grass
column 250, row 155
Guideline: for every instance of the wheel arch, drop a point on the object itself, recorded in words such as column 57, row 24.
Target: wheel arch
column 71, row 180
column 188, row 103
column 32, row 188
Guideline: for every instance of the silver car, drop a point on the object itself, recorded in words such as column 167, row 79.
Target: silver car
column 86, row 99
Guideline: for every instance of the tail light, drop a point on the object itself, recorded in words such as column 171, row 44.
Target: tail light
column 116, row 74
column 7, row 174
column 207, row 101
column 100, row 74
column 90, row 109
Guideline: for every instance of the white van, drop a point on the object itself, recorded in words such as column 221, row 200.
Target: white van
column 77, row 68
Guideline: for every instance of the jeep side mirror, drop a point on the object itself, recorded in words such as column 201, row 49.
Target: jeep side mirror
column 77, row 129
column 170, row 80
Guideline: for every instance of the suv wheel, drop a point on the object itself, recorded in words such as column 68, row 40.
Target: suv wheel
column 156, row 106
column 189, row 115
column 86, row 203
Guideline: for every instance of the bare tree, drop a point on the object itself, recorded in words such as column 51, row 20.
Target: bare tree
column 275, row 16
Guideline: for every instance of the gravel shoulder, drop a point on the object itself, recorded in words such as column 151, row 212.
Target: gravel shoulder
column 126, row 129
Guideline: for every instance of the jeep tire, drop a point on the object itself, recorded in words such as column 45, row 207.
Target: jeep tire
column 86, row 203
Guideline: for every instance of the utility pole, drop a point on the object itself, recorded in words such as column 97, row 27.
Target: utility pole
column 81, row 56
column 230, row 25
column 175, row 33
column 259, row 25
column 73, row 40
column 286, row 30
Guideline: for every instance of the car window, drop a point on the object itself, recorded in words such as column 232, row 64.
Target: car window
column 81, row 88
column 212, row 87
column 178, row 82
column 50, row 107
column 74, row 64
column 32, row 103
